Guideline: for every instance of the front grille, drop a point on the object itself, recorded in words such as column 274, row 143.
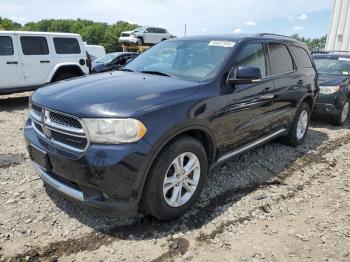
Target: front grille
column 76, row 142
column 125, row 34
column 64, row 120
column 59, row 128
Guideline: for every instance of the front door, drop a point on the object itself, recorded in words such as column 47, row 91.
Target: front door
column 250, row 109
column 10, row 66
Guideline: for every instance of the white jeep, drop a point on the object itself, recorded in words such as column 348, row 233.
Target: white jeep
column 29, row 60
column 145, row 35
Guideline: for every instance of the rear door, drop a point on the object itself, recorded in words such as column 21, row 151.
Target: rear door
column 10, row 66
column 289, row 83
column 151, row 36
column 250, row 105
column 36, row 59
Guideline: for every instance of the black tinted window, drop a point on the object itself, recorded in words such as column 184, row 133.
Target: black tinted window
column 151, row 30
column 280, row 59
column 34, row 45
column 64, row 45
column 252, row 55
column 6, row 46
column 301, row 56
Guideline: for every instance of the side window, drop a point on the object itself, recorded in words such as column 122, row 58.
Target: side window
column 252, row 55
column 150, row 30
column 162, row 31
column 301, row 56
column 280, row 59
column 6, row 46
column 34, row 45
column 65, row 45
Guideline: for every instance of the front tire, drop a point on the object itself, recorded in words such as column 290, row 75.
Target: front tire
column 300, row 126
column 340, row 119
column 176, row 179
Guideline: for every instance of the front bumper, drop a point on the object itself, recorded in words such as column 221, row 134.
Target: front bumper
column 105, row 177
column 128, row 39
column 329, row 104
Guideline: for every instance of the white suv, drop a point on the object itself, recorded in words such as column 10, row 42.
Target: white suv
column 145, row 35
column 29, row 60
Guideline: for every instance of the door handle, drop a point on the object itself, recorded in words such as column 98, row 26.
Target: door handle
column 267, row 96
column 44, row 61
column 12, row 62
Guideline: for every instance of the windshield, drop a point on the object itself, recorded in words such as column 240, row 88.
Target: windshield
column 333, row 66
column 139, row 29
column 190, row 59
column 106, row 59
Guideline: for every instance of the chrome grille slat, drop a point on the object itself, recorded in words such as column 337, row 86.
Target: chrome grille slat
column 59, row 128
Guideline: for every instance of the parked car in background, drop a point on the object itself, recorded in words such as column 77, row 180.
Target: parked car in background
column 95, row 51
column 112, row 61
column 29, row 60
column 334, row 78
column 144, row 138
column 145, row 35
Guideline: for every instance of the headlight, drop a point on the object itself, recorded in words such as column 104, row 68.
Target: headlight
column 132, row 35
column 329, row 89
column 114, row 131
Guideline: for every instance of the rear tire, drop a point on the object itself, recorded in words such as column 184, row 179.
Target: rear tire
column 64, row 76
column 176, row 179
column 300, row 126
column 340, row 119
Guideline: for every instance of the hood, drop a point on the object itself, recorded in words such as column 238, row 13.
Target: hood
column 331, row 80
column 125, row 92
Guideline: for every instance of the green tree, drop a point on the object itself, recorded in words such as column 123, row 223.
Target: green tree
column 316, row 44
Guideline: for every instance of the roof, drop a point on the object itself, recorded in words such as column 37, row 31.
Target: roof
column 38, row 33
column 237, row 37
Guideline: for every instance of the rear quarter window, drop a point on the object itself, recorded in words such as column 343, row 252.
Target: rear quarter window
column 6, row 46
column 34, row 45
column 302, row 57
column 66, row 45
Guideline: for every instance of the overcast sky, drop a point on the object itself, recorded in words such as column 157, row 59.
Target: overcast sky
column 309, row 18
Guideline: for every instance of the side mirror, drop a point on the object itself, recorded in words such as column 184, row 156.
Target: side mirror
column 246, row 75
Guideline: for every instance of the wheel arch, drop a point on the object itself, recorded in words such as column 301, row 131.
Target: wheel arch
column 66, row 68
column 200, row 132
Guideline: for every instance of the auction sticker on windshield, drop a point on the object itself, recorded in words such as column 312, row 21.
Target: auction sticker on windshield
column 222, row 43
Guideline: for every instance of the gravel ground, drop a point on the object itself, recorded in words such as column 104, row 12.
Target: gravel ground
column 274, row 203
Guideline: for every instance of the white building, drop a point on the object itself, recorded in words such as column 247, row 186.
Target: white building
column 339, row 31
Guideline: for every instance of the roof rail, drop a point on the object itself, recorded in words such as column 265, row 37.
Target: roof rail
column 271, row 34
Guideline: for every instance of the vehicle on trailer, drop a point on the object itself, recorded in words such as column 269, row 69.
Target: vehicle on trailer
column 112, row 61
column 334, row 77
column 29, row 60
column 144, row 138
column 144, row 35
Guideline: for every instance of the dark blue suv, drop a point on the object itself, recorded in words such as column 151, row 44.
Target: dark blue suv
column 144, row 138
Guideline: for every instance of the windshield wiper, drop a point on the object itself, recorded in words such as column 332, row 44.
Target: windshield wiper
column 127, row 70
column 155, row 73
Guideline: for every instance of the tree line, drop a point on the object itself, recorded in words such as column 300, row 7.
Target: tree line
column 94, row 33
column 107, row 35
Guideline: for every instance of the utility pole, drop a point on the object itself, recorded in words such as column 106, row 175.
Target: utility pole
column 185, row 29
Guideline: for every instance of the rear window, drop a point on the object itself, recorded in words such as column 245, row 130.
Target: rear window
column 280, row 59
column 66, row 45
column 34, row 45
column 301, row 56
column 6, row 46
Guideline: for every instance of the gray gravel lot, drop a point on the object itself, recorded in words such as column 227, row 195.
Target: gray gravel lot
column 274, row 203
